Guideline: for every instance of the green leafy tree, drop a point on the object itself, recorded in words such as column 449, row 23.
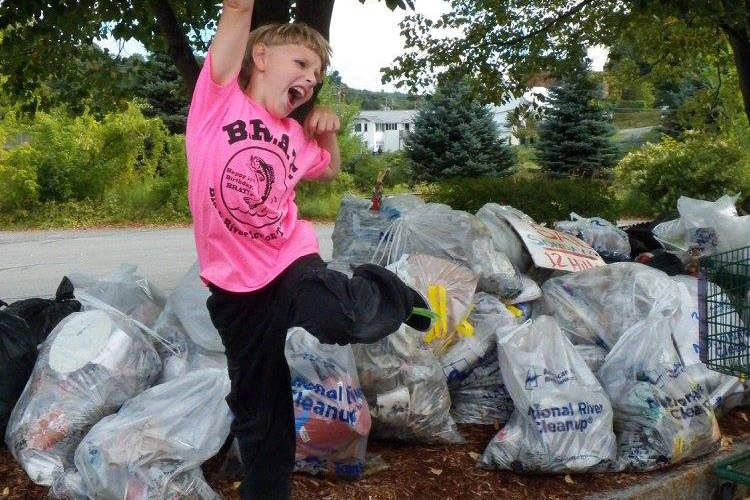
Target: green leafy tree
column 521, row 39
column 40, row 37
column 575, row 137
column 455, row 135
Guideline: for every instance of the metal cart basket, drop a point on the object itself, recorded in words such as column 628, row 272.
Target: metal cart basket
column 724, row 297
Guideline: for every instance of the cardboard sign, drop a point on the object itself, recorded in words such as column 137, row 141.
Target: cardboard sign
column 555, row 250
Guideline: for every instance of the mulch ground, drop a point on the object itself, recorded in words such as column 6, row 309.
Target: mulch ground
column 415, row 472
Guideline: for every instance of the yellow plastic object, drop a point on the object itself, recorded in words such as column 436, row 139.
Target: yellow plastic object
column 438, row 300
column 465, row 329
column 514, row 310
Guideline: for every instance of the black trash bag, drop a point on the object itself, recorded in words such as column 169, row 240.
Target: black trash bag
column 43, row 315
column 24, row 325
column 17, row 356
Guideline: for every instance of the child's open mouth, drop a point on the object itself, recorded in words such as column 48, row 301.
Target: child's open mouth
column 296, row 95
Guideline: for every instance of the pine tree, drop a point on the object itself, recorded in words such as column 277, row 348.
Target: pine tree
column 575, row 137
column 454, row 135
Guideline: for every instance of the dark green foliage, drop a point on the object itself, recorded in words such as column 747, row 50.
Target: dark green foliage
column 545, row 200
column 575, row 137
column 160, row 86
column 454, row 136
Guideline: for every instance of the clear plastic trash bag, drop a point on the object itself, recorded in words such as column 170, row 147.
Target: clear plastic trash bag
column 153, row 447
column 358, row 230
column 446, row 283
column 332, row 419
column 563, row 418
column 129, row 293
column 607, row 239
column 439, row 231
column 191, row 341
column 662, row 415
column 405, row 386
column 504, row 237
column 712, row 227
column 180, row 355
column 478, row 395
column 593, row 355
column 189, row 304
column 725, row 392
column 597, row 305
column 90, row 365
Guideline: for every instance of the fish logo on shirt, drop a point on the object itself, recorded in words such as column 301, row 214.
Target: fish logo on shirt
column 253, row 185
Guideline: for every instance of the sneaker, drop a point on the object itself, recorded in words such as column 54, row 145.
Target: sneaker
column 422, row 315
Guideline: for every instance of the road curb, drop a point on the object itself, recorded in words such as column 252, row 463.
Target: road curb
column 691, row 481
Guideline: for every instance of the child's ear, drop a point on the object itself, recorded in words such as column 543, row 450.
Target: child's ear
column 260, row 56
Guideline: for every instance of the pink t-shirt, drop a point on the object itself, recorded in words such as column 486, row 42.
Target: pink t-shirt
column 243, row 165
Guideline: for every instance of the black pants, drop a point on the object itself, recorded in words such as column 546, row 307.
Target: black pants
column 253, row 326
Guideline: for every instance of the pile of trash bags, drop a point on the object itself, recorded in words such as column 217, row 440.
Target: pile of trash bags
column 594, row 370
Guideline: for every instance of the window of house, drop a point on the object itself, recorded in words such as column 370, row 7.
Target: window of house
column 365, row 126
column 406, row 126
column 379, row 127
column 358, row 127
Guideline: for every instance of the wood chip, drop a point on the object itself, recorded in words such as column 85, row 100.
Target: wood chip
column 474, row 455
column 744, row 417
column 437, row 472
column 569, row 479
column 6, row 491
column 236, row 485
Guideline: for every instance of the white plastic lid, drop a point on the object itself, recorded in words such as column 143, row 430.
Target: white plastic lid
column 80, row 340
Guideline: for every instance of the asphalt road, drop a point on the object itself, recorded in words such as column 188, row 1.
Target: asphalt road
column 32, row 263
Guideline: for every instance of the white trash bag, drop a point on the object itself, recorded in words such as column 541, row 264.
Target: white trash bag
column 90, row 364
column 471, row 366
column 129, row 293
column 563, row 418
column 332, row 419
column 597, row 305
column 153, row 447
column 662, row 415
column 608, row 240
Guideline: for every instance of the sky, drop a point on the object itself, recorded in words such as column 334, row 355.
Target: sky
column 365, row 37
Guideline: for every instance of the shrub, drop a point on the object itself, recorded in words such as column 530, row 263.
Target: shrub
column 18, row 179
column 79, row 158
column 365, row 170
column 702, row 166
column 544, row 199
column 321, row 200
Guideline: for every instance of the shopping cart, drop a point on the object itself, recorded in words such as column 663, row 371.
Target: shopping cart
column 724, row 297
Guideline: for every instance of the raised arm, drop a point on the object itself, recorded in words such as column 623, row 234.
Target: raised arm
column 228, row 46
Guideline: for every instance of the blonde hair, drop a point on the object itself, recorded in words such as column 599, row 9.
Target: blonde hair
column 284, row 34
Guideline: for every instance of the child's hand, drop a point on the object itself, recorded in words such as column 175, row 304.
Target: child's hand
column 321, row 121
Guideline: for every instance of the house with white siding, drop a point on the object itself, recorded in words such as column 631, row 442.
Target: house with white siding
column 385, row 130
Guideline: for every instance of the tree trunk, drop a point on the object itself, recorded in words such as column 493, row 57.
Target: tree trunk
column 739, row 39
column 178, row 45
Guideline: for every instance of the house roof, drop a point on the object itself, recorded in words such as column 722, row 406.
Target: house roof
column 388, row 116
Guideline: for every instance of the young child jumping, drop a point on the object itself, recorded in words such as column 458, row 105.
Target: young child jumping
column 260, row 262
